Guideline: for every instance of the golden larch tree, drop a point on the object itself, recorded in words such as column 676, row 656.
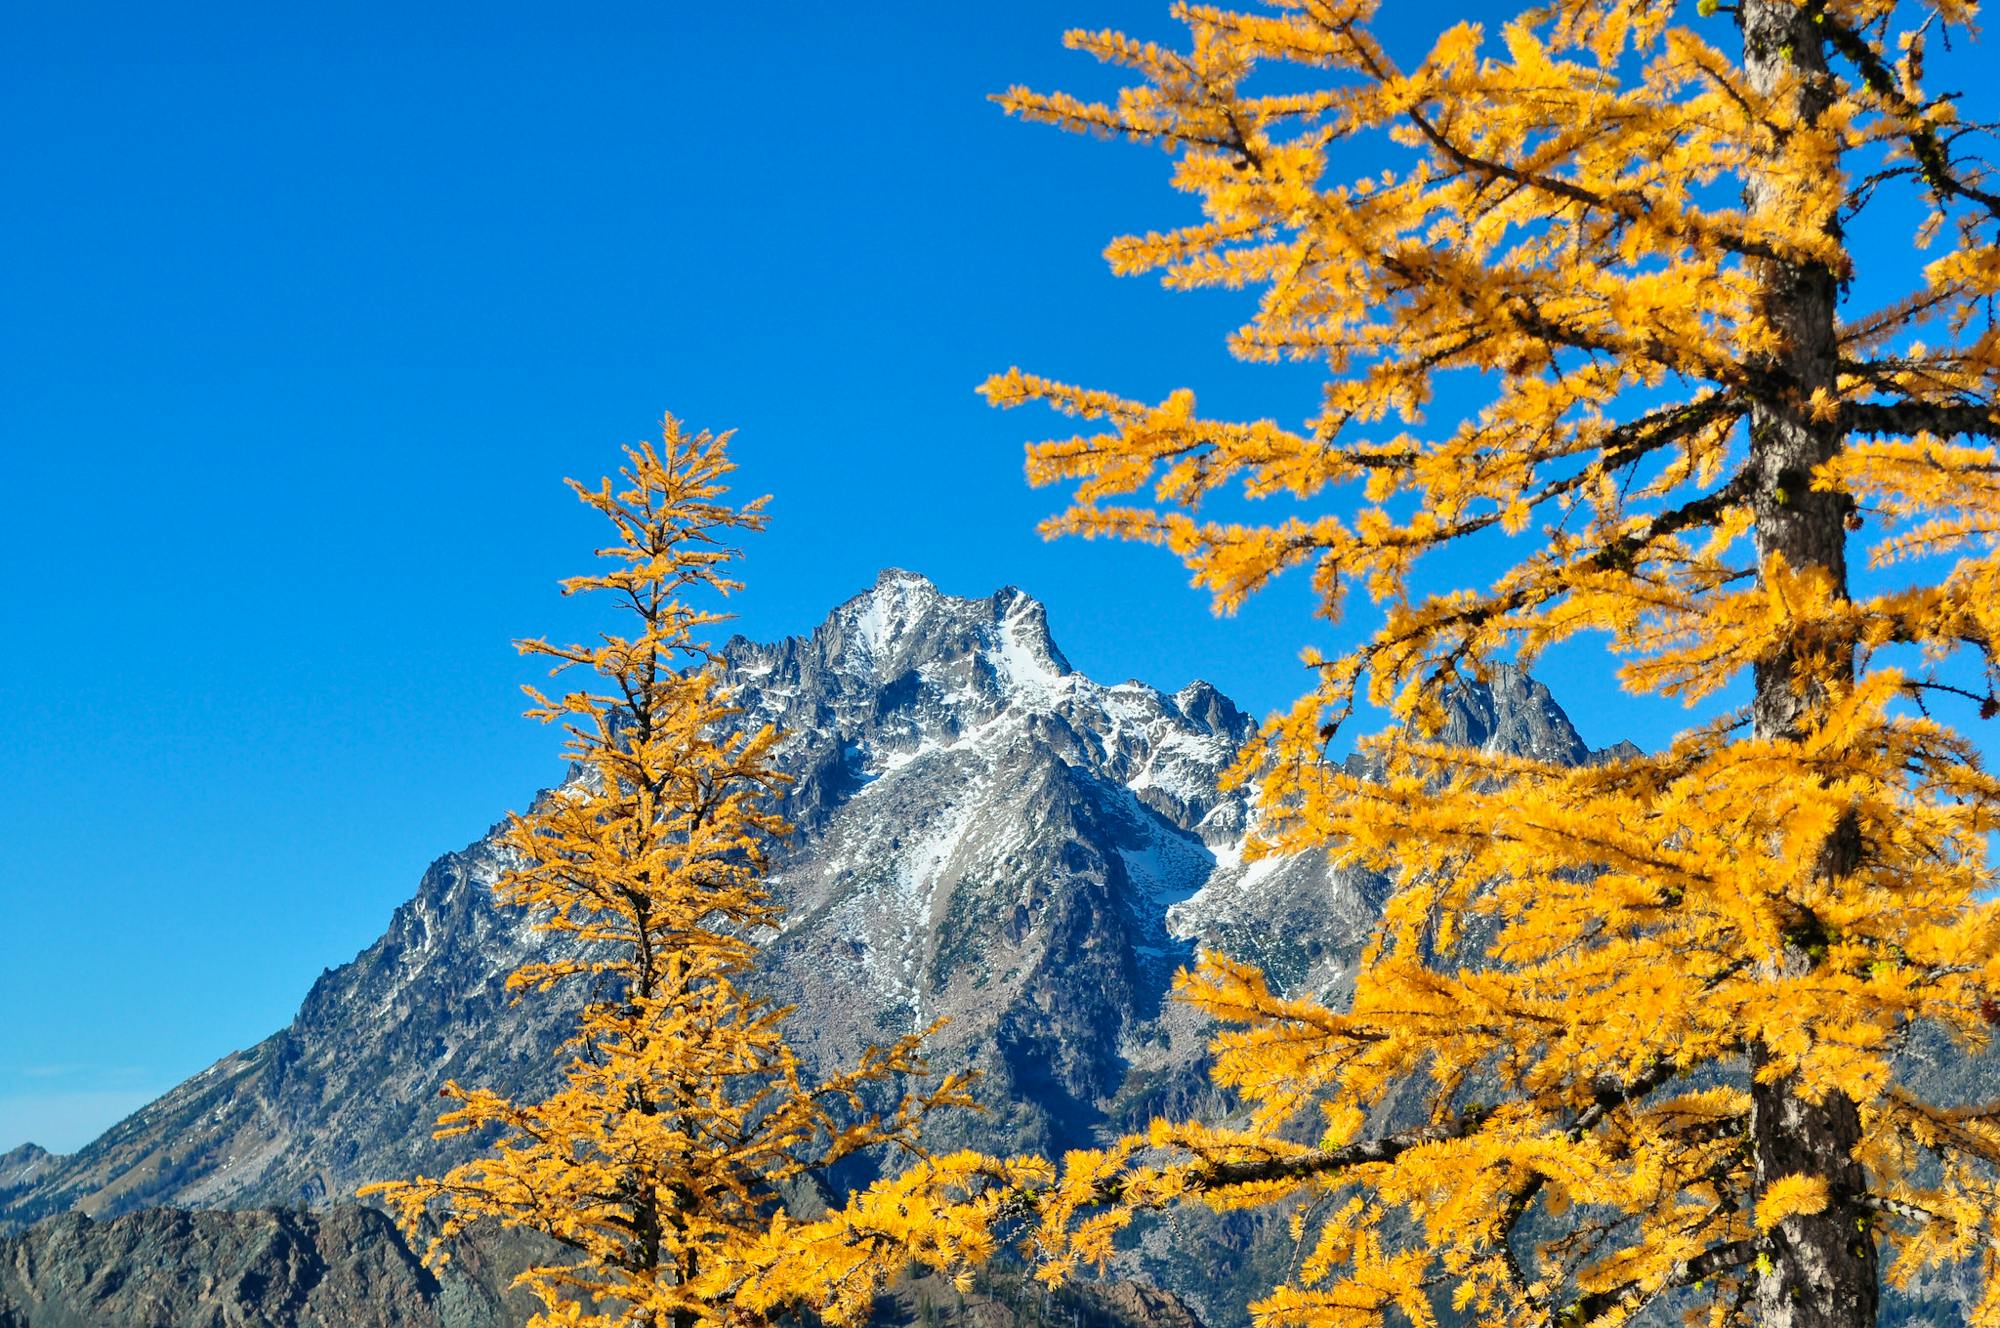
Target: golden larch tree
column 660, row 1163
column 1655, row 1013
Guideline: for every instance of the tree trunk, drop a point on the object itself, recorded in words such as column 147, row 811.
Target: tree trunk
column 1817, row 1270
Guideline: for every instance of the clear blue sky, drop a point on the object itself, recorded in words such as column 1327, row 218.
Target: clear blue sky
column 308, row 311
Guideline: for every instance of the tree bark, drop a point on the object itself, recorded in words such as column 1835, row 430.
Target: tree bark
column 1814, row 1270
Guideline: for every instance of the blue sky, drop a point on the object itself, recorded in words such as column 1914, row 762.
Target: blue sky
column 309, row 312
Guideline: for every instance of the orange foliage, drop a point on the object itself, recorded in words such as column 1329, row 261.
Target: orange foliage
column 662, row 1161
column 1654, row 1012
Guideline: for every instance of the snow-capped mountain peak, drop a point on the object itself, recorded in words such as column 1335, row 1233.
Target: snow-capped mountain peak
column 982, row 833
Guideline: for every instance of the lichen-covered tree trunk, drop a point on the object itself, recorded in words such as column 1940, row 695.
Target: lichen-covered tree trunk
column 1816, row 1270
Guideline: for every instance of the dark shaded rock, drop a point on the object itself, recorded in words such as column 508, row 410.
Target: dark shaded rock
column 343, row 1267
column 1004, row 1297
column 1511, row 714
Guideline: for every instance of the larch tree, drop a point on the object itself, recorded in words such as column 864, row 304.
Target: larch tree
column 1657, row 1013
column 659, row 1164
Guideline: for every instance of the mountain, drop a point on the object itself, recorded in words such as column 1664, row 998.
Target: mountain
column 982, row 835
